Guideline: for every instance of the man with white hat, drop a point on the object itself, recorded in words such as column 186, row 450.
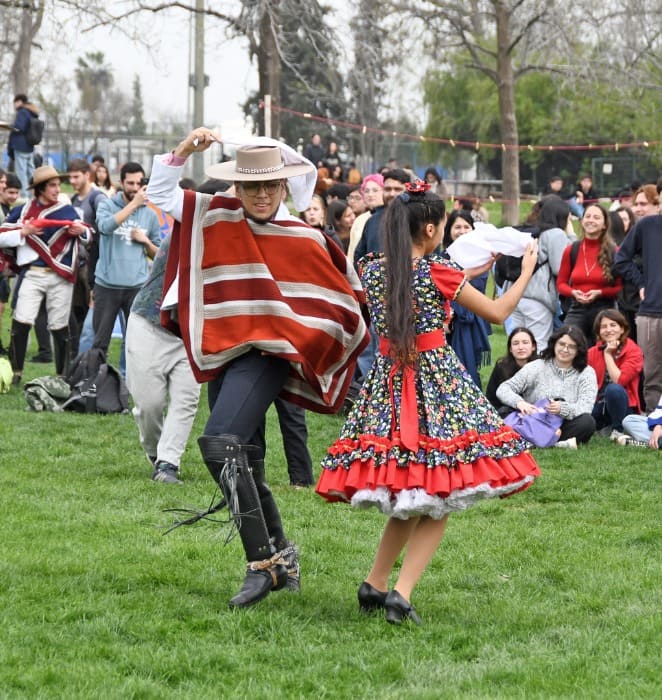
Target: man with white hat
column 47, row 257
column 266, row 307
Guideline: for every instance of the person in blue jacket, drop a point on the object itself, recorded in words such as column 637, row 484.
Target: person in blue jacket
column 468, row 333
column 130, row 235
column 20, row 151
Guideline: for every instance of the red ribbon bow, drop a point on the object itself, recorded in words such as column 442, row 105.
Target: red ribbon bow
column 417, row 187
column 408, row 401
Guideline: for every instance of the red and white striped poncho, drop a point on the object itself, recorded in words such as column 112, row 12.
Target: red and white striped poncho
column 280, row 287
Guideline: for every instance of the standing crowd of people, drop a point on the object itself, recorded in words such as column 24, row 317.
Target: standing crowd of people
column 357, row 293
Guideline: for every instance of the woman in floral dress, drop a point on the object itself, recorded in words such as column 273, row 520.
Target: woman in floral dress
column 421, row 441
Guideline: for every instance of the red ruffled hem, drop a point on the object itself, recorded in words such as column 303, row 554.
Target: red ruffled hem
column 341, row 484
column 497, row 438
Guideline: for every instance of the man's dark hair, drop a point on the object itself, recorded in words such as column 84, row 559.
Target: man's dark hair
column 213, row 186
column 338, row 190
column 187, row 183
column 20, row 97
column 13, row 182
column 78, row 165
column 98, row 158
column 129, row 169
column 397, row 174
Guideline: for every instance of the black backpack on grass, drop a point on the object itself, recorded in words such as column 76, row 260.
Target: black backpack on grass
column 96, row 386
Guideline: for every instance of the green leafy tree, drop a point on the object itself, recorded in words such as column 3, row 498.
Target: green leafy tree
column 94, row 79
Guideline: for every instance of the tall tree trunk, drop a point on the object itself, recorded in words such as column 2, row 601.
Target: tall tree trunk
column 507, row 117
column 268, row 63
column 31, row 17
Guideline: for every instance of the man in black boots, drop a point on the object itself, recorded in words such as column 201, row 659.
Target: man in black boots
column 47, row 257
column 267, row 308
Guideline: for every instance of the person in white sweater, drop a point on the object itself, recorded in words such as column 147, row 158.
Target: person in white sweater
column 563, row 376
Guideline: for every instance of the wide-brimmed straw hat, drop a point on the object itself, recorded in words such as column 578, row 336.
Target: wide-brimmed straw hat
column 45, row 173
column 258, row 163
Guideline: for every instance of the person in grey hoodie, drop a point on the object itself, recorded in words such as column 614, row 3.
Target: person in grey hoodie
column 562, row 375
column 539, row 304
column 130, row 234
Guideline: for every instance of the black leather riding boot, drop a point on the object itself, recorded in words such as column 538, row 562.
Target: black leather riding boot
column 274, row 523
column 18, row 345
column 61, row 348
column 227, row 461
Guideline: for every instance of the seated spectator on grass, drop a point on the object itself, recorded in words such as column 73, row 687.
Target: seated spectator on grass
column 563, row 376
column 642, row 430
column 521, row 348
column 617, row 361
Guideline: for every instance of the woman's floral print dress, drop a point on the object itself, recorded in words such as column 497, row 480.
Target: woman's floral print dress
column 422, row 439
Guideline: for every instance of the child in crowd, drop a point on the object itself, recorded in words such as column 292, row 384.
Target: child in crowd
column 421, row 441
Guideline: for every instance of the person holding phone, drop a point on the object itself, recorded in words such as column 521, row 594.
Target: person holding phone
column 563, row 375
column 130, row 234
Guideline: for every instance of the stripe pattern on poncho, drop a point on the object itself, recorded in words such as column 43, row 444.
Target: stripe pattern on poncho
column 54, row 245
column 280, row 287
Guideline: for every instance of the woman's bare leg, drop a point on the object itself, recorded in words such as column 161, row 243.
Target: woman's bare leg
column 394, row 538
column 422, row 544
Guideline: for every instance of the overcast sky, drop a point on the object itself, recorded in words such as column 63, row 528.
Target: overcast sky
column 164, row 70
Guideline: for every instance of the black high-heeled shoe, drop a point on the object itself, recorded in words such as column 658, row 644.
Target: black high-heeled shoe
column 370, row 598
column 398, row 609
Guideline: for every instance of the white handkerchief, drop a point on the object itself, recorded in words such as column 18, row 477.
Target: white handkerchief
column 475, row 247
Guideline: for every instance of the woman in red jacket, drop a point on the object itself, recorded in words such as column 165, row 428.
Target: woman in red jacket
column 617, row 361
column 585, row 274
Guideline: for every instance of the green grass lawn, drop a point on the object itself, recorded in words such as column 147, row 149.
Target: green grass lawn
column 554, row 593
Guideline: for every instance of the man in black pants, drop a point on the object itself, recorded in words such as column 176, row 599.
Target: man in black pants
column 266, row 309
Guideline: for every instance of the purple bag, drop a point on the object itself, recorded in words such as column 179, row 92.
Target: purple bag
column 539, row 428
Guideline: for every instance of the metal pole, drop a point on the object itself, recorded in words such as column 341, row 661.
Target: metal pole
column 267, row 115
column 199, row 87
column 189, row 67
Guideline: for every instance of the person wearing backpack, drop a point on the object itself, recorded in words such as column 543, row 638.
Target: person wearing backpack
column 539, row 304
column 19, row 145
column 585, row 277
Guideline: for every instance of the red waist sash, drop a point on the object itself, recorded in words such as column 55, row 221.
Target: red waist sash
column 408, row 402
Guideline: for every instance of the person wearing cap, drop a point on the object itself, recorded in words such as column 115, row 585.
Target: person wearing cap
column 267, row 307
column 47, row 257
